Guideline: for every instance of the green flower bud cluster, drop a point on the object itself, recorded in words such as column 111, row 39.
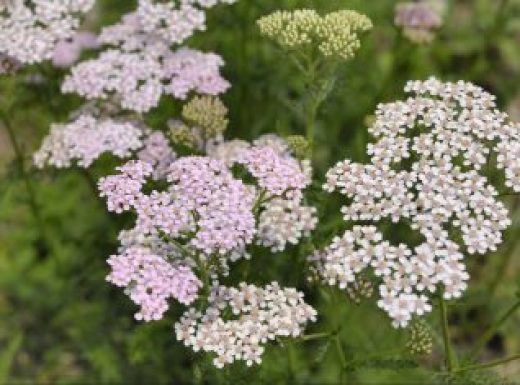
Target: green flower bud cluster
column 207, row 113
column 183, row 135
column 335, row 35
column 204, row 118
column 420, row 341
column 362, row 288
column 299, row 146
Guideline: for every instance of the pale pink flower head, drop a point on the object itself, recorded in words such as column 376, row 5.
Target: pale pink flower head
column 151, row 281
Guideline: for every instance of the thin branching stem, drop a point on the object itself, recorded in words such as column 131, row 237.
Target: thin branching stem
column 448, row 350
column 488, row 364
column 31, row 193
column 315, row 336
column 341, row 353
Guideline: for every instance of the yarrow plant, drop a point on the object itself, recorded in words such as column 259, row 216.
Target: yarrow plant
column 428, row 170
column 318, row 45
column 125, row 81
column 200, row 205
column 186, row 236
column 194, row 215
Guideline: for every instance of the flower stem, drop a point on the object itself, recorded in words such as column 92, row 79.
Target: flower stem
column 310, row 124
column 449, row 354
column 489, row 364
column 488, row 334
column 316, row 336
column 4, row 118
column 341, row 352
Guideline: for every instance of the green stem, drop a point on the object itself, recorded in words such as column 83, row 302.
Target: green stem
column 489, row 364
column 21, row 164
column 449, row 354
column 310, row 124
column 341, row 352
column 290, row 363
column 316, row 336
column 488, row 334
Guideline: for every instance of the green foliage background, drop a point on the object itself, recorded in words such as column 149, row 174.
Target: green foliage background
column 60, row 323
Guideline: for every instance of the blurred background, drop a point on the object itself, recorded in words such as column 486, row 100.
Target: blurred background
column 61, row 323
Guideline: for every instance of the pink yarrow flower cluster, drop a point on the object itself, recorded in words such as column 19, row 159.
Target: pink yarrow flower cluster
column 85, row 139
column 139, row 67
column 67, row 51
column 151, row 280
column 203, row 206
column 283, row 218
column 158, row 153
column 276, row 174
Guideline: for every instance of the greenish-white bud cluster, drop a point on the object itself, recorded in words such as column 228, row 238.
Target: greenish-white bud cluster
column 208, row 113
column 298, row 145
column 335, row 35
column 420, row 341
column 204, row 118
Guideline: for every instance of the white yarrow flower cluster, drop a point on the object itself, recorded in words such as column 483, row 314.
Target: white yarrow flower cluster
column 425, row 170
column 257, row 315
column 285, row 221
column 30, row 30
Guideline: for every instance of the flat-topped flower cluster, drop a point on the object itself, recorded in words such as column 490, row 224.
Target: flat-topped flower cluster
column 336, row 35
column 30, row 30
column 426, row 170
column 208, row 211
column 192, row 230
column 138, row 68
column 259, row 315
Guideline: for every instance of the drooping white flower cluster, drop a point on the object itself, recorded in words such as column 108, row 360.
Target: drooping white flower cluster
column 30, row 30
column 425, row 170
column 256, row 315
column 139, row 67
column 85, row 139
